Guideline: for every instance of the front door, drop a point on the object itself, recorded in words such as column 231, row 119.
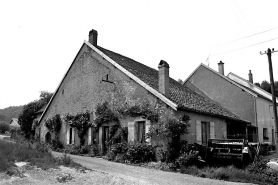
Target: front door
column 105, row 138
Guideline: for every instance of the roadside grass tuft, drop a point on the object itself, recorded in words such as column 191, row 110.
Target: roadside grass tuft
column 38, row 156
column 229, row 173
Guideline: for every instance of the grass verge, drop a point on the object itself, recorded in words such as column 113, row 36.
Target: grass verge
column 37, row 156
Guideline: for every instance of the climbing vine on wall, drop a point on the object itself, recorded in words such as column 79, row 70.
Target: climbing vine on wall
column 104, row 115
column 81, row 122
column 171, row 131
column 116, row 132
column 138, row 110
column 54, row 124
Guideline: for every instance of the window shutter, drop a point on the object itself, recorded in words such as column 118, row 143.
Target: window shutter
column 72, row 139
column 130, row 131
column 198, row 132
column 68, row 135
column 90, row 135
column 148, row 125
column 212, row 133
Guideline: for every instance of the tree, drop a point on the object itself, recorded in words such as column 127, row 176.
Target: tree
column 257, row 84
column 27, row 116
column 4, row 127
column 265, row 85
column 180, row 81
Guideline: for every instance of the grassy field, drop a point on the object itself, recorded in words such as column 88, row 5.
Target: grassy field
column 40, row 157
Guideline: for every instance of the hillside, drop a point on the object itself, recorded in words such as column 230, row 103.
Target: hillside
column 8, row 113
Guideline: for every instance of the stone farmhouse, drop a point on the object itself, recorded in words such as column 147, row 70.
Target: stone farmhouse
column 238, row 95
column 97, row 75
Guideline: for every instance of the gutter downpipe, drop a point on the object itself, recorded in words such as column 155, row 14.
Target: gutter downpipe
column 256, row 117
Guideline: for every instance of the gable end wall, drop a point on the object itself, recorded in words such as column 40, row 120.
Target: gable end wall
column 225, row 93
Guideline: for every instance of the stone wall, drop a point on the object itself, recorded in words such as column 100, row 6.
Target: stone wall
column 83, row 88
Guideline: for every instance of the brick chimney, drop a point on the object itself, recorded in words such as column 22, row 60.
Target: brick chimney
column 163, row 78
column 93, row 37
column 250, row 76
column 221, row 68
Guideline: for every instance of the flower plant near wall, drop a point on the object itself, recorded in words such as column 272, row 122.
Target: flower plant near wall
column 106, row 115
column 54, row 124
column 81, row 122
column 171, row 131
column 138, row 110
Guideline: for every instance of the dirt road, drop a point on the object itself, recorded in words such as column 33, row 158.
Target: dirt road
column 140, row 174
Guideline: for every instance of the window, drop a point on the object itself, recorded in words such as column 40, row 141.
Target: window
column 205, row 129
column 141, row 131
column 265, row 135
column 70, row 136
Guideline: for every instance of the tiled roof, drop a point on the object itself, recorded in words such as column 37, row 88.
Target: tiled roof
column 250, row 86
column 184, row 97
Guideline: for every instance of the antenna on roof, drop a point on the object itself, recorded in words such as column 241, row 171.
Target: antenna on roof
column 208, row 60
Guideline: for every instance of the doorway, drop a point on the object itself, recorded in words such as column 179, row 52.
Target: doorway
column 105, row 138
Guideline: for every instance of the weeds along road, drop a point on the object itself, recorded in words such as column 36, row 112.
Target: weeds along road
column 144, row 175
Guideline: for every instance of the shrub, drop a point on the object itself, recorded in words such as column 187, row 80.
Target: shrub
column 56, row 145
column 162, row 166
column 188, row 159
column 139, row 153
column 124, row 152
column 261, row 170
column 4, row 127
column 170, row 132
column 72, row 149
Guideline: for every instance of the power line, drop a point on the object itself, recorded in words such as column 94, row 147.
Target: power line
column 244, row 47
column 244, row 37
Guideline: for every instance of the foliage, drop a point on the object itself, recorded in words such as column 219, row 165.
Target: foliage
column 138, row 110
column 162, row 166
column 8, row 113
column 104, row 115
column 188, row 159
column 170, row 131
column 121, row 135
column 11, row 152
column 56, row 144
column 4, row 127
column 88, row 150
column 54, row 124
column 81, row 122
column 260, row 169
column 139, row 152
column 27, row 116
column 128, row 153
column 265, row 85
column 173, row 128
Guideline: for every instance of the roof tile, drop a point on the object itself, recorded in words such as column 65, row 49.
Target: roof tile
column 184, row 97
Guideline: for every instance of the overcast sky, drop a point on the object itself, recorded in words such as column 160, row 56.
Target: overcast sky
column 39, row 39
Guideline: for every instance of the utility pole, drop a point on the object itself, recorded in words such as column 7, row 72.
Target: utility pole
column 268, row 52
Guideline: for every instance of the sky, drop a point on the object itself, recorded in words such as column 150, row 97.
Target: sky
column 40, row 39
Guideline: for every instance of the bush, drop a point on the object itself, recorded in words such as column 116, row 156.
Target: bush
column 72, row 149
column 188, row 159
column 4, row 127
column 261, row 170
column 90, row 150
column 128, row 153
column 56, row 145
column 162, row 166
column 139, row 153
